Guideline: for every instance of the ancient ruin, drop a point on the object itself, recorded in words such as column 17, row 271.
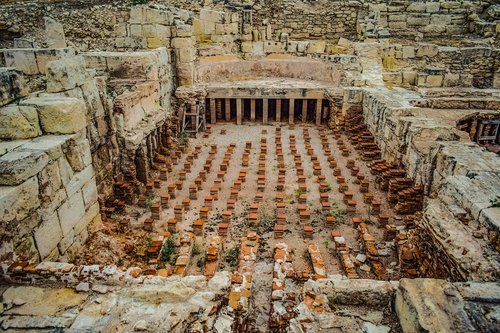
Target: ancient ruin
column 250, row 166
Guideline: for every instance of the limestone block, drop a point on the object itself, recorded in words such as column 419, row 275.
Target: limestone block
column 421, row 79
column 247, row 47
column 397, row 25
column 408, row 52
column 185, row 72
column 17, row 202
column 65, row 74
column 50, row 182
column 302, row 46
column 356, row 292
column 162, row 31
column 418, row 19
column 21, row 59
column 451, row 80
column 137, row 14
column 183, row 30
column 197, row 27
column 151, row 15
column 135, row 30
column 71, row 212
column 12, row 85
column 397, row 17
column 419, row 7
column 434, row 81
column 59, row 115
column 423, row 306
column 19, row 122
column 427, row 50
column 48, row 235
column 222, row 38
column 440, row 19
column 450, row 5
column 78, row 154
column 79, row 179
column 156, row 42
column 292, row 46
column 392, row 77
column 212, row 16
column 92, row 99
column 409, row 77
column 466, row 80
column 18, row 165
column 43, row 56
column 54, row 33
column 120, row 30
column 89, row 191
column 274, row 47
column 432, row 7
column 316, row 47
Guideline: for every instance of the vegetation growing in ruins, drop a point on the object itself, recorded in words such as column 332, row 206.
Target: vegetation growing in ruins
column 196, row 249
column 232, row 256
column 168, row 251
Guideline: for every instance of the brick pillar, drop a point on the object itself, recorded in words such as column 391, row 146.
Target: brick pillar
column 213, row 115
column 252, row 109
column 291, row 112
column 218, row 105
column 239, row 115
column 278, row 110
column 265, row 111
column 228, row 109
column 304, row 110
column 319, row 107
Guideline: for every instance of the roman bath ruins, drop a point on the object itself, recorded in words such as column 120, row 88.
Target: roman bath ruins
column 249, row 166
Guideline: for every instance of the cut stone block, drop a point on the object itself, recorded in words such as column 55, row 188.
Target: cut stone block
column 19, row 122
column 16, row 202
column 19, row 165
column 12, row 85
column 65, row 74
column 59, row 115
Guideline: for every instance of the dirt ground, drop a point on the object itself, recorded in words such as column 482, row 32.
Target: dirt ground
column 123, row 246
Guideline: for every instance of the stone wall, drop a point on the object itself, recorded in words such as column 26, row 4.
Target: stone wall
column 47, row 185
column 87, row 24
column 424, row 18
column 431, row 65
column 305, row 20
column 461, row 221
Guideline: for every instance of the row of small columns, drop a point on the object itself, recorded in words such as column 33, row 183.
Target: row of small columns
column 216, row 107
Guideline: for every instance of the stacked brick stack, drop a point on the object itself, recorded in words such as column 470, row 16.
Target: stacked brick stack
column 212, row 256
column 184, row 254
column 283, row 301
column 317, row 261
column 240, row 293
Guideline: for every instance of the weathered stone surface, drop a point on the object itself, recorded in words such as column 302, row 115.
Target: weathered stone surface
column 12, row 85
column 65, row 74
column 428, row 305
column 19, row 122
column 19, row 165
column 59, row 115
column 16, row 202
column 43, row 301
column 48, row 235
column 172, row 292
column 54, row 33
column 71, row 212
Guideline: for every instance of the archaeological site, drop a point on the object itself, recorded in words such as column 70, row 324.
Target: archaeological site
column 250, row 166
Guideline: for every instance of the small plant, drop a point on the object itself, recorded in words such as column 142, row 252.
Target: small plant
column 201, row 262
column 173, row 259
column 149, row 241
column 331, row 302
column 168, row 250
column 326, row 243
column 119, row 262
column 196, row 249
column 298, row 192
column 232, row 256
column 183, row 138
column 149, row 201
